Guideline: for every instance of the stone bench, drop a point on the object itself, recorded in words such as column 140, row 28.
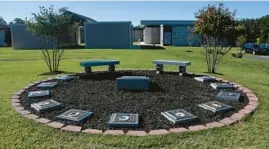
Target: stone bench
column 133, row 83
column 87, row 65
column 182, row 65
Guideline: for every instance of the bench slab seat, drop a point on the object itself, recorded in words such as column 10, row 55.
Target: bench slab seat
column 181, row 64
column 133, row 83
column 169, row 62
column 88, row 64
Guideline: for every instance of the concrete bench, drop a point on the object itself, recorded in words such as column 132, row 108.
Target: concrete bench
column 182, row 65
column 87, row 65
column 133, row 83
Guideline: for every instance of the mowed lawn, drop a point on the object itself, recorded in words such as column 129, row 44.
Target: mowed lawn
column 20, row 67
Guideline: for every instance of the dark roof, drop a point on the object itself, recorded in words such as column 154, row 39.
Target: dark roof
column 4, row 27
column 167, row 22
column 81, row 17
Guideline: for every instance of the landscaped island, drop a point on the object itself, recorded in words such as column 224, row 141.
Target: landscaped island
column 194, row 101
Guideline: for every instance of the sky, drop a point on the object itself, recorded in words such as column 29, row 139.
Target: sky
column 133, row 10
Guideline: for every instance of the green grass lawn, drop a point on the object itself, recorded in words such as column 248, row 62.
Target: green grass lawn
column 19, row 67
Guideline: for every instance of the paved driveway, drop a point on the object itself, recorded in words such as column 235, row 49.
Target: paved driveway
column 257, row 57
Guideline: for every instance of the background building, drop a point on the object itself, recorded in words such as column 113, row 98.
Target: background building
column 24, row 39
column 138, row 33
column 108, row 35
column 168, row 32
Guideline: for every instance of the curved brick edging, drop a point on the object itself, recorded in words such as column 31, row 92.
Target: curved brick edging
column 252, row 105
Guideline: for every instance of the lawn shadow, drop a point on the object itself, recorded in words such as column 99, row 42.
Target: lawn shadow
column 56, row 73
column 99, row 76
column 221, row 74
column 73, row 47
column 151, row 47
column 188, row 51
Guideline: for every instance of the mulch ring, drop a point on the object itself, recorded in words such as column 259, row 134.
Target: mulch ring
column 97, row 93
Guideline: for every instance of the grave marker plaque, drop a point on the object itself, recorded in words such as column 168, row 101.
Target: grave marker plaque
column 65, row 78
column 221, row 86
column 229, row 96
column 75, row 116
column 40, row 93
column 47, row 105
column 47, row 85
column 124, row 120
column 216, row 107
column 179, row 116
column 204, row 79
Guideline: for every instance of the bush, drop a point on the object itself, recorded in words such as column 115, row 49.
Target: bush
column 237, row 55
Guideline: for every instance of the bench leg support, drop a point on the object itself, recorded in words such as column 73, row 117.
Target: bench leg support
column 159, row 69
column 88, row 70
column 111, row 68
column 182, row 70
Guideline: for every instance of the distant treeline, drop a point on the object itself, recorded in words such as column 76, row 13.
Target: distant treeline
column 255, row 29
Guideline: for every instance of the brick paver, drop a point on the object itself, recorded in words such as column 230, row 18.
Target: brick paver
column 15, row 100
column 93, row 131
column 178, row 130
column 227, row 121
column 197, row 127
column 158, row 132
column 31, row 116
column 136, row 133
column 114, row 132
column 23, row 112
column 43, row 120
column 55, row 124
column 72, row 128
column 214, row 124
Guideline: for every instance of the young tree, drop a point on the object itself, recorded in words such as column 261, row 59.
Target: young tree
column 267, row 40
column 258, row 41
column 18, row 21
column 190, row 36
column 240, row 41
column 216, row 26
column 2, row 21
column 50, row 26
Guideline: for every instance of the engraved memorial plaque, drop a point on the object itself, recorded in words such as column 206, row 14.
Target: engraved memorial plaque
column 65, row 78
column 221, row 86
column 40, row 93
column 216, row 107
column 47, row 105
column 47, row 85
column 179, row 116
column 124, row 120
column 229, row 96
column 75, row 116
column 204, row 79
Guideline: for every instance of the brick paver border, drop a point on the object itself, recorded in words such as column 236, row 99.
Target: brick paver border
column 248, row 109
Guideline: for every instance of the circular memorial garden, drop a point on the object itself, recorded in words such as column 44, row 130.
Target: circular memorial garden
column 140, row 100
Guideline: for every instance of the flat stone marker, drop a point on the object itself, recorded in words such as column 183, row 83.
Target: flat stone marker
column 124, row 120
column 47, row 105
column 40, row 93
column 229, row 96
column 205, row 78
column 133, row 83
column 221, row 86
column 75, row 116
column 179, row 116
column 47, row 85
column 216, row 107
column 65, row 78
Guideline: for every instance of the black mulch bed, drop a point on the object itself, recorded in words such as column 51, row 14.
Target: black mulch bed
column 97, row 93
